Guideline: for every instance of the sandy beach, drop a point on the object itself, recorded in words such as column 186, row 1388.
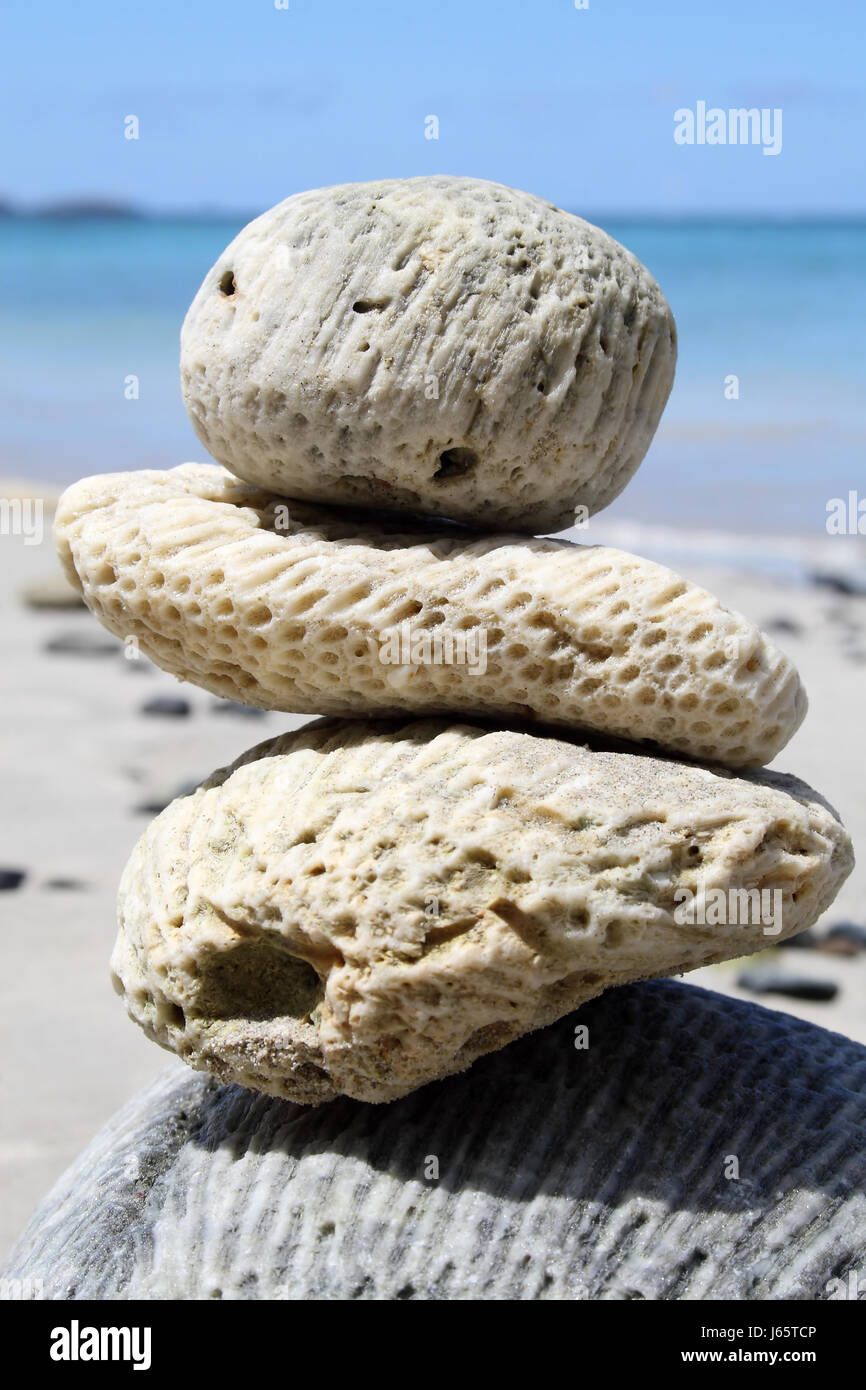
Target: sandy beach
column 85, row 769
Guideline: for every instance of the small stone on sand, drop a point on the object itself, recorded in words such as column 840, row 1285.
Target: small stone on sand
column 796, row 986
column 171, row 706
column 54, row 591
column 82, row 644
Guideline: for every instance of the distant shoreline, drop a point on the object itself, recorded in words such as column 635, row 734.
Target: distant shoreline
column 84, row 209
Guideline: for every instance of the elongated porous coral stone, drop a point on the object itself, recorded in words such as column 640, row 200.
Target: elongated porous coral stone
column 361, row 909
column 443, row 344
column 299, row 608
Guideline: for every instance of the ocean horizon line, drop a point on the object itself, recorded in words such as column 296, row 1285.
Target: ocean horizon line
column 107, row 209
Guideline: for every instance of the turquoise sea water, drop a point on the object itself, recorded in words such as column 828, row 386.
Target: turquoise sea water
column 780, row 305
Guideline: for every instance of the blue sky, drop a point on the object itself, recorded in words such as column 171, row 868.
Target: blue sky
column 241, row 104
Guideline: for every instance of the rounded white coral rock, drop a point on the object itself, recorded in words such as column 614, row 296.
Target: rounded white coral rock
column 443, row 344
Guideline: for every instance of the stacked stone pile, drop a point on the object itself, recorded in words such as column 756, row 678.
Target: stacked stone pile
column 403, row 383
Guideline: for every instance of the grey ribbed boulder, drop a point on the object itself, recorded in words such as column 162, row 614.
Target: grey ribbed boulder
column 563, row 1172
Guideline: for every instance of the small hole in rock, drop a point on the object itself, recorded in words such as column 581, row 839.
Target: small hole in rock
column 256, row 979
column 454, row 463
column 227, row 284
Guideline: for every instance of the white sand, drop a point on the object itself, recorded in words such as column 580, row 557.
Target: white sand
column 78, row 756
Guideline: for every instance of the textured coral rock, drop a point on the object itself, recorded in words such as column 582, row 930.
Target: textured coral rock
column 560, row 1173
column 361, row 909
column 301, row 609
column 443, row 344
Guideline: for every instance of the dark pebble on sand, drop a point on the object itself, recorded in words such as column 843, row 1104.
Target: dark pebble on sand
column 794, row 986
column 838, row 946
column 233, row 707
column 838, row 583
column 52, row 593
column 848, row 931
column 786, row 625
column 11, row 878
column 82, row 644
column 172, row 706
column 65, row 885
